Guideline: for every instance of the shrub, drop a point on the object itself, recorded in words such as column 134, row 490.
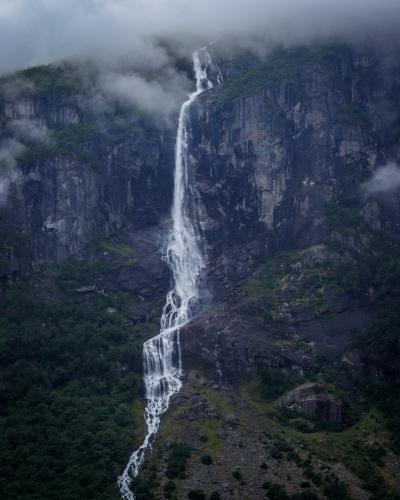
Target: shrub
column 169, row 489
column 335, row 489
column 277, row 492
column 215, row 495
column 273, row 383
column 236, row 473
column 276, row 453
column 206, row 459
column 315, row 477
column 176, row 465
column 196, row 495
column 306, row 495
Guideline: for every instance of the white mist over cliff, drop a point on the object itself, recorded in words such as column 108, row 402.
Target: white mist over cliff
column 116, row 30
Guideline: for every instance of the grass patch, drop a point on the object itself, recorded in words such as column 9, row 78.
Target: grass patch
column 208, row 429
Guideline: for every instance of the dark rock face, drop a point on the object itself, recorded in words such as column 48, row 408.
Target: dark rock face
column 271, row 158
column 271, row 155
column 62, row 201
column 276, row 144
column 313, row 400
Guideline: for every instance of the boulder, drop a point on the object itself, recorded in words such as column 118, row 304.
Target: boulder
column 314, row 401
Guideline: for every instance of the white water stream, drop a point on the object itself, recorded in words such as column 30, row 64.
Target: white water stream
column 161, row 354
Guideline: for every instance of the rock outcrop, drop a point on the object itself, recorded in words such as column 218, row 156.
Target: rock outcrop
column 314, row 401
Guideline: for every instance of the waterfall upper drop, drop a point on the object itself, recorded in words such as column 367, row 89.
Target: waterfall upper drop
column 161, row 354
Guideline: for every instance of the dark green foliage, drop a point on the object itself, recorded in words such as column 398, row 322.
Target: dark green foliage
column 79, row 140
column 177, row 459
column 355, row 115
column 375, row 267
column 394, row 102
column 341, row 217
column 196, row 495
column 303, row 423
column 215, row 495
column 206, row 460
column 236, row 473
column 57, row 83
column 305, row 495
column 382, row 344
column 315, row 477
column 294, row 456
column 335, row 489
column 142, row 489
column 277, row 492
column 273, row 383
column 375, row 453
column 276, row 453
column 69, row 376
column 384, row 494
column 169, row 489
column 282, row 65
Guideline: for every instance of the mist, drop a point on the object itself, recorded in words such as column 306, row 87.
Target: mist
column 385, row 180
column 10, row 150
column 114, row 31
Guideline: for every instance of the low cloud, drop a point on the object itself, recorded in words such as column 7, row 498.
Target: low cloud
column 127, row 30
column 384, row 180
column 29, row 130
column 160, row 96
column 23, row 131
column 10, row 151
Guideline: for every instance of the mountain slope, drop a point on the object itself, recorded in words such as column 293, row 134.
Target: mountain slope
column 292, row 367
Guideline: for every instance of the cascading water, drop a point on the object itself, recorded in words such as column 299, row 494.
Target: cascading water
column 161, row 354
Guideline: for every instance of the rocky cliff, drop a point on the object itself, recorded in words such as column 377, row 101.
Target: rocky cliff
column 78, row 173
column 291, row 368
column 303, row 276
column 282, row 151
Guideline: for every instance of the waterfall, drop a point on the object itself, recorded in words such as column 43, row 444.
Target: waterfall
column 161, row 354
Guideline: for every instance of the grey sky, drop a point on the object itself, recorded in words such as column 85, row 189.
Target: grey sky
column 42, row 31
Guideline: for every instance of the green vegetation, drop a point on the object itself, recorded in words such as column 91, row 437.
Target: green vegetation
column 274, row 382
column 206, row 460
column 364, row 265
column 335, row 489
column 215, row 495
column 303, row 423
column 355, row 115
column 169, row 489
column 305, row 285
column 382, row 343
column 236, row 473
column 282, row 65
column 68, row 385
column 55, row 82
column 196, row 495
column 276, row 491
column 70, row 380
column 76, row 140
column 176, row 466
column 356, row 447
column 143, row 488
